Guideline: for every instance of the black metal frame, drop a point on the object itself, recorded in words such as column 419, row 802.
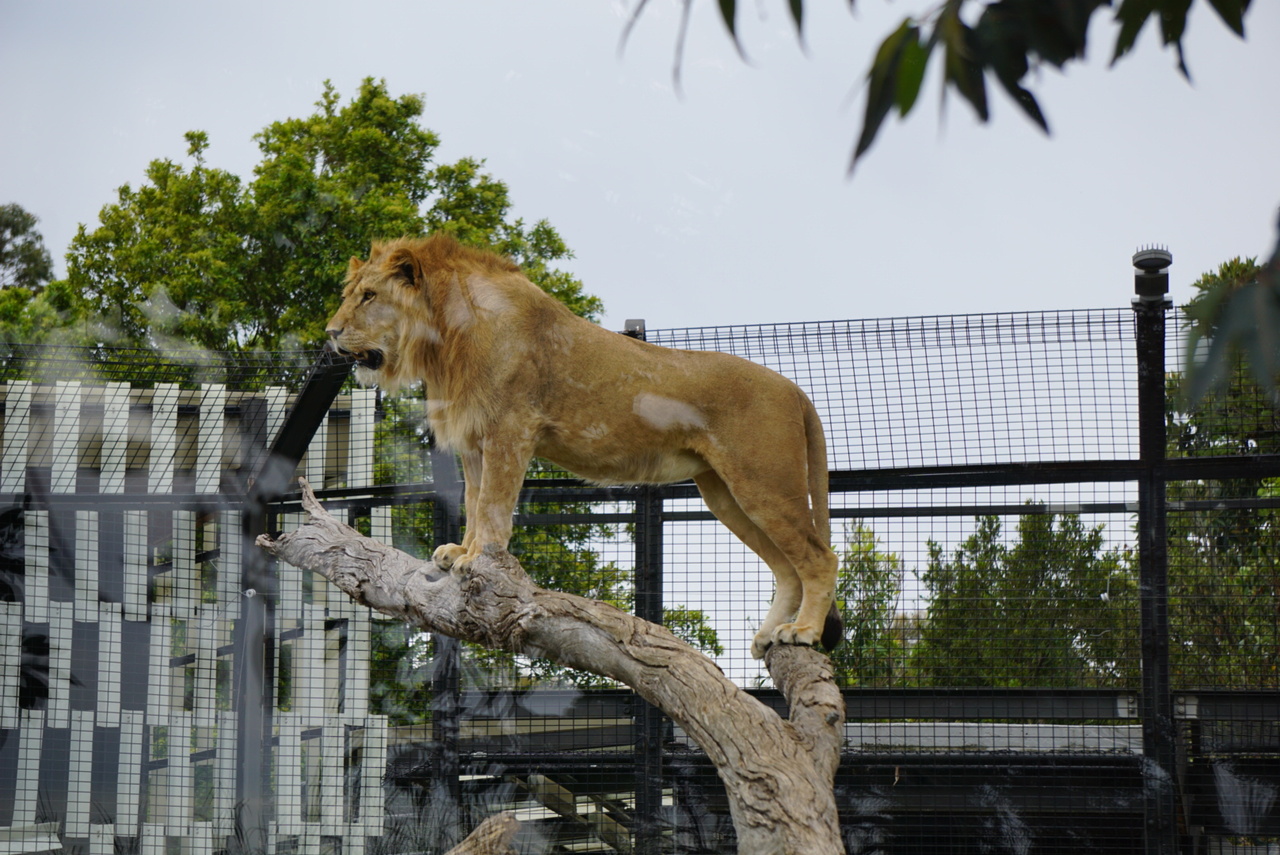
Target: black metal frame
column 1157, row 777
column 1168, row 784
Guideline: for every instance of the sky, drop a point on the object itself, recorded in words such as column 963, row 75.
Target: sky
column 723, row 201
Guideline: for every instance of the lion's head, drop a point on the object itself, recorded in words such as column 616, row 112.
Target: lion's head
column 379, row 294
column 419, row 304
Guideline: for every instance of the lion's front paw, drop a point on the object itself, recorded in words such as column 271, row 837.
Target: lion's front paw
column 450, row 556
column 796, row 633
column 760, row 644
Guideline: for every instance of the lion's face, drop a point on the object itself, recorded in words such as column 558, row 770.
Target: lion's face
column 367, row 324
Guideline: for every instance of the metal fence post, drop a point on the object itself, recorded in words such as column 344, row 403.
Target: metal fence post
column 254, row 686
column 650, row 722
column 649, row 719
column 446, row 686
column 254, row 638
column 1159, row 733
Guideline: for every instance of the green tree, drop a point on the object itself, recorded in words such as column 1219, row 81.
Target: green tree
column 169, row 259
column 1224, row 550
column 1054, row 609
column 1238, row 375
column 1224, row 587
column 29, row 306
column 24, row 261
column 198, row 255
column 1236, row 327
column 868, row 590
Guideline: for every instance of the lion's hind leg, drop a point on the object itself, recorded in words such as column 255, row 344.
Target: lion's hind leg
column 774, row 519
column 816, row 567
column 789, row 591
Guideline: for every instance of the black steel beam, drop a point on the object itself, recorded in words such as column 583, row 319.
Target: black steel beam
column 1159, row 732
column 253, row 668
column 650, row 721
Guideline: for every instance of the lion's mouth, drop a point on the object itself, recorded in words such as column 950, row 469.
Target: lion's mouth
column 371, row 359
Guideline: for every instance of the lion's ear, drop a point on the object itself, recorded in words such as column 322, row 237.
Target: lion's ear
column 354, row 265
column 405, row 262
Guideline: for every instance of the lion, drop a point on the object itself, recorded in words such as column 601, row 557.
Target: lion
column 511, row 374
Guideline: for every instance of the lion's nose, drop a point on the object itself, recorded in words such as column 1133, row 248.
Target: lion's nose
column 333, row 332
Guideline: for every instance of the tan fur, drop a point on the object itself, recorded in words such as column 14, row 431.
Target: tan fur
column 511, row 374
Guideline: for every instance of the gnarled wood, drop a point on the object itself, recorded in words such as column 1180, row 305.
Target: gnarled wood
column 491, row 837
column 778, row 774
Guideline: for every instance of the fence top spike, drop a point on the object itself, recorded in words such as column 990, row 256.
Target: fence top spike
column 1152, row 258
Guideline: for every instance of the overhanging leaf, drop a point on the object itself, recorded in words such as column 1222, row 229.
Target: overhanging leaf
column 797, row 15
column 1132, row 16
column 962, row 69
column 1232, row 13
column 911, row 67
column 1173, row 23
column 882, row 84
column 1058, row 32
column 729, row 14
column 1024, row 99
column 1210, row 372
column 1248, row 323
column 1001, row 42
column 1264, row 350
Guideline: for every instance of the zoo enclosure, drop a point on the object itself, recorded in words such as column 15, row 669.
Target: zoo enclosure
column 193, row 699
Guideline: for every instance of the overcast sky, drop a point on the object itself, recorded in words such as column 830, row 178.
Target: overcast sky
column 724, row 204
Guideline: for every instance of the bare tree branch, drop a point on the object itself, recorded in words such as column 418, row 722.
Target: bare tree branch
column 491, row 837
column 777, row 774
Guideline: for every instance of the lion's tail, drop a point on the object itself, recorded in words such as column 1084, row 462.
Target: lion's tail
column 816, row 441
column 819, row 503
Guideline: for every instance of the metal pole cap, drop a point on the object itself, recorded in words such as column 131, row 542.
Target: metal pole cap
column 1151, row 282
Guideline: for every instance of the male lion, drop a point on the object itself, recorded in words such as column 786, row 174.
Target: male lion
column 511, row 374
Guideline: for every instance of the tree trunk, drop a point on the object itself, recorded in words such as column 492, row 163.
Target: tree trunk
column 778, row 774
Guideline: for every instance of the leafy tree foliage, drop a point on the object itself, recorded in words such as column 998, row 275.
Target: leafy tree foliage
column 1056, row 608
column 26, row 303
column 868, row 590
column 1008, row 39
column 1237, row 322
column 1224, row 557
column 1234, row 319
column 198, row 255
column 1224, row 587
column 169, row 258
column 24, row 261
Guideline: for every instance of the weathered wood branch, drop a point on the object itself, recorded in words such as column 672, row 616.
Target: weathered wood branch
column 777, row 773
column 491, row 837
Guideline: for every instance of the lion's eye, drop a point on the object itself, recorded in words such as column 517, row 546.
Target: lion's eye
column 368, row 295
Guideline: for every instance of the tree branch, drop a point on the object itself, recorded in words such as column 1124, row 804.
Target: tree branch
column 491, row 837
column 777, row 774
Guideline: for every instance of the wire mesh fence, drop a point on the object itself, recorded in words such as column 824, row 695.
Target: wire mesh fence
column 998, row 668
column 956, row 390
